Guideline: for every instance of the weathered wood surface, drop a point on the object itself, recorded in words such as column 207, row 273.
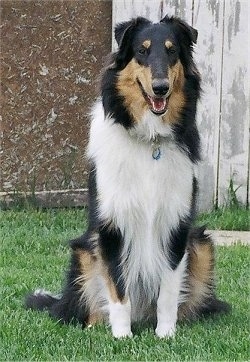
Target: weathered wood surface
column 234, row 128
column 208, row 54
column 181, row 8
column 222, row 55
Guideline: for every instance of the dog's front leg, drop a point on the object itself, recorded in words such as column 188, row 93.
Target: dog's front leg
column 120, row 318
column 114, row 293
column 167, row 303
column 119, row 309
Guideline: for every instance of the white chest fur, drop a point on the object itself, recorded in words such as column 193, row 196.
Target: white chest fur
column 145, row 198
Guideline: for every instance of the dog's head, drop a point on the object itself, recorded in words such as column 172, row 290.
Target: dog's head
column 153, row 60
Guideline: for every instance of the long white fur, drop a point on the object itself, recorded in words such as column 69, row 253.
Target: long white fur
column 144, row 198
column 120, row 319
column 168, row 300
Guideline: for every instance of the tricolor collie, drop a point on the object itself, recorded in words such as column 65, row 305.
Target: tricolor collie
column 140, row 258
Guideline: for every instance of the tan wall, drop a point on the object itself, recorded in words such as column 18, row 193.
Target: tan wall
column 51, row 55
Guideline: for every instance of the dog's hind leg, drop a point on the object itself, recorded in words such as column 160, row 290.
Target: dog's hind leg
column 201, row 299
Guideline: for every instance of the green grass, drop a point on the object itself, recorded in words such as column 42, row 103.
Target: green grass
column 34, row 253
column 235, row 218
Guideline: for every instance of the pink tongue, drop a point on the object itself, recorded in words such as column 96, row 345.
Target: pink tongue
column 158, row 103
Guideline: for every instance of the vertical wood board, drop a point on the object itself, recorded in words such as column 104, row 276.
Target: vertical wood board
column 208, row 19
column 234, row 135
column 180, row 8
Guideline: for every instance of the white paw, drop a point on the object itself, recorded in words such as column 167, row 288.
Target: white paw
column 122, row 333
column 165, row 330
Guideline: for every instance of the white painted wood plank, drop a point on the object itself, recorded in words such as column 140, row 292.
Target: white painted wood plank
column 234, row 135
column 208, row 20
column 180, row 8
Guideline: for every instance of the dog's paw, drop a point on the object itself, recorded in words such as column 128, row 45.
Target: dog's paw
column 165, row 330
column 122, row 332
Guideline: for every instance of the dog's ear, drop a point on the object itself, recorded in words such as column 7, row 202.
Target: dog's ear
column 188, row 30
column 121, row 29
column 124, row 33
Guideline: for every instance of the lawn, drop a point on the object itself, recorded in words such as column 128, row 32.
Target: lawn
column 34, row 253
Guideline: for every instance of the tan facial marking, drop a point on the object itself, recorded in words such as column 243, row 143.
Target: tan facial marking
column 177, row 98
column 168, row 44
column 128, row 88
column 134, row 101
column 146, row 43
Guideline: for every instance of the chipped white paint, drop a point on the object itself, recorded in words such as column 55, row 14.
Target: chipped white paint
column 234, row 130
column 222, row 54
column 180, row 8
column 208, row 54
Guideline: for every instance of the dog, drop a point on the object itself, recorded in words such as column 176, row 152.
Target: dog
column 141, row 258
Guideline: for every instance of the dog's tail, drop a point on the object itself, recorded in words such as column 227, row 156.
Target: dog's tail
column 64, row 308
column 41, row 300
column 201, row 299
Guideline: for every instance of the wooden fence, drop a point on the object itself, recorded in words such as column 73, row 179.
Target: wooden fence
column 222, row 54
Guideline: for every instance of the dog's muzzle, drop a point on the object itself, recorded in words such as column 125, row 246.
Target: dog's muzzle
column 158, row 103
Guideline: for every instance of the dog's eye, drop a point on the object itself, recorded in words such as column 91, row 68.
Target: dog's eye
column 172, row 50
column 142, row 51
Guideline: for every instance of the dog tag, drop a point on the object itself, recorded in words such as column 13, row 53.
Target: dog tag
column 156, row 154
column 156, row 150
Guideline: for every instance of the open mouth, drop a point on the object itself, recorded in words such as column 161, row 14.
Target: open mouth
column 158, row 105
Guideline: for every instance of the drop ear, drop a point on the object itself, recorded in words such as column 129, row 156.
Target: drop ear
column 124, row 33
column 194, row 33
column 189, row 31
column 121, row 29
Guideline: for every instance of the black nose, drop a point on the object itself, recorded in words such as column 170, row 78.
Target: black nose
column 160, row 87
